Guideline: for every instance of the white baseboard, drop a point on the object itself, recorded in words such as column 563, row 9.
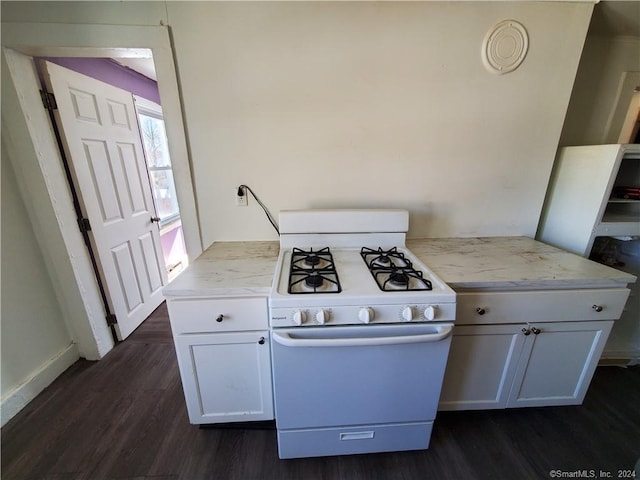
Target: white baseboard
column 635, row 353
column 620, row 358
column 17, row 398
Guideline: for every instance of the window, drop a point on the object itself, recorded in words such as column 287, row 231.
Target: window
column 156, row 150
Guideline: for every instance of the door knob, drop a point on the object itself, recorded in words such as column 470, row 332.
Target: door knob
column 155, row 219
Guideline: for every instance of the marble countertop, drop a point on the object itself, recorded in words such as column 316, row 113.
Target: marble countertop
column 511, row 263
column 247, row 268
column 228, row 269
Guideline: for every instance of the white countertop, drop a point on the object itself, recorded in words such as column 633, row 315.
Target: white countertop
column 229, row 269
column 511, row 263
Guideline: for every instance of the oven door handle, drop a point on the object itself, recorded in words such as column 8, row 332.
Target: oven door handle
column 287, row 340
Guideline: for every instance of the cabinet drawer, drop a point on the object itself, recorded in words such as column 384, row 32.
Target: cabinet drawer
column 352, row 440
column 200, row 315
column 537, row 306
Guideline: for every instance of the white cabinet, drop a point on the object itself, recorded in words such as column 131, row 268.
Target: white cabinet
column 557, row 363
column 499, row 366
column 586, row 212
column 509, row 349
column 223, row 354
column 481, row 367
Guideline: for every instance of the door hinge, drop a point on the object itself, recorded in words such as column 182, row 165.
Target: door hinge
column 48, row 100
column 111, row 319
column 84, row 225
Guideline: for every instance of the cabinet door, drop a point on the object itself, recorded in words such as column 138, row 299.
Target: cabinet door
column 226, row 377
column 557, row 364
column 481, row 366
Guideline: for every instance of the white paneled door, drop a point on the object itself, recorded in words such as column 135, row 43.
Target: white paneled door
column 100, row 133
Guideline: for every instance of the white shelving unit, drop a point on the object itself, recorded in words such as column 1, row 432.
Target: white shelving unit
column 579, row 206
column 583, row 214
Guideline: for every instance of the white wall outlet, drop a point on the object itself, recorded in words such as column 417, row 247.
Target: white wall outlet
column 241, row 200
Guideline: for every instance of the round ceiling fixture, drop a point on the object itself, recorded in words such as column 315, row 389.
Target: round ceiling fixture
column 505, row 47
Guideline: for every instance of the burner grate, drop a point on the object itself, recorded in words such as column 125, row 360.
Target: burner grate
column 313, row 272
column 393, row 271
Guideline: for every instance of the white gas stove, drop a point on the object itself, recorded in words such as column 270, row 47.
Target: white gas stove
column 336, row 275
column 361, row 331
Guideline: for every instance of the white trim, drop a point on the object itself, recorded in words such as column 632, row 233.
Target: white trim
column 621, row 354
column 42, row 184
column 30, row 143
column 145, row 105
column 17, row 398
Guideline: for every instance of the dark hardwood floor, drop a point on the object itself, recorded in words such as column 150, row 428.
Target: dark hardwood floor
column 124, row 417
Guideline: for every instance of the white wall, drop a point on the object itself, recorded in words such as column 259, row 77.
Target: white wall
column 594, row 97
column 36, row 345
column 311, row 103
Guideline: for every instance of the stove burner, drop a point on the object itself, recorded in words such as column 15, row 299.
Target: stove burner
column 312, row 259
column 393, row 271
column 399, row 279
column 380, row 258
column 313, row 271
column 314, row 281
column 383, row 259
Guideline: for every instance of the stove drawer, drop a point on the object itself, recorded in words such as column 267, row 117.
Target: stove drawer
column 535, row 306
column 204, row 315
column 350, row 440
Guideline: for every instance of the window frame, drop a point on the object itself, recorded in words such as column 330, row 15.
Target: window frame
column 152, row 109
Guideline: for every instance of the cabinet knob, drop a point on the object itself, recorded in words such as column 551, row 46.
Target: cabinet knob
column 480, row 311
column 261, row 341
column 597, row 308
column 219, row 318
column 535, row 330
column 526, row 331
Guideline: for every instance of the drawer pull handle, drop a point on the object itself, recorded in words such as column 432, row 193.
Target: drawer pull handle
column 535, row 330
column 261, row 341
column 597, row 308
column 526, row 331
column 356, row 435
column 220, row 318
column 480, row 311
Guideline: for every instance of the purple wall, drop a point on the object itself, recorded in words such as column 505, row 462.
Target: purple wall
column 111, row 72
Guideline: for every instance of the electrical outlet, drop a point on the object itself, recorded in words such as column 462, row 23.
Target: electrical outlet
column 241, row 200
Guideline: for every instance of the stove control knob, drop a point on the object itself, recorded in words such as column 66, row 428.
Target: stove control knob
column 430, row 312
column 299, row 317
column 407, row 314
column 366, row 314
column 322, row 316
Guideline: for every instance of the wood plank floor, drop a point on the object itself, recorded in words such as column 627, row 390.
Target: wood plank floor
column 125, row 418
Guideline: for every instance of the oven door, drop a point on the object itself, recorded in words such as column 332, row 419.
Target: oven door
column 362, row 375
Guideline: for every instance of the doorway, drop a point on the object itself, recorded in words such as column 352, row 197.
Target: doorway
column 31, row 149
column 101, row 148
column 138, row 77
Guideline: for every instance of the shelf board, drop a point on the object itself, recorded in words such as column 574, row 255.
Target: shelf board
column 623, row 200
column 618, row 225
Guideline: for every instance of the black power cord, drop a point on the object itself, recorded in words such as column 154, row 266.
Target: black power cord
column 241, row 190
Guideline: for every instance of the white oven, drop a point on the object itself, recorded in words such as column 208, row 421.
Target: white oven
column 361, row 331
